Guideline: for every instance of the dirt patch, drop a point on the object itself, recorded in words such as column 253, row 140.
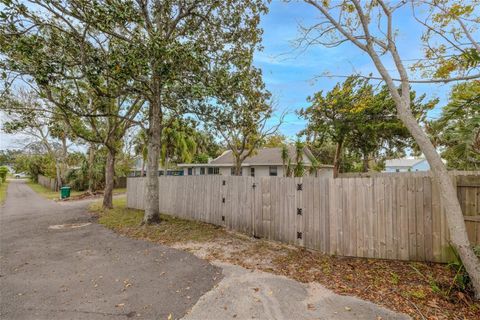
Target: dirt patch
column 417, row 289
column 421, row 290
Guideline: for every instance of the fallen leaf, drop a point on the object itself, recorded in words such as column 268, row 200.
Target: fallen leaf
column 120, row 305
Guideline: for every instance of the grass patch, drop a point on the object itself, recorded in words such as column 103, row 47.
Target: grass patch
column 170, row 230
column 119, row 190
column 3, row 191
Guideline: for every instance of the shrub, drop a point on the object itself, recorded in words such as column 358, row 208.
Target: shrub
column 3, row 173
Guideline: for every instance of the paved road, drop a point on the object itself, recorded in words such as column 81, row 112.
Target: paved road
column 88, row 272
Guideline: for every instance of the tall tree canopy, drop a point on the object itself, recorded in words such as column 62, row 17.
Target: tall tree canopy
column 357, row 117
column 458, row 128
column 161, row 51
column 241, row 113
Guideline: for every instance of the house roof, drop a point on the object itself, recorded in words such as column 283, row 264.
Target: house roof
column 263, row 156
column 266, row 156
column 403, row 162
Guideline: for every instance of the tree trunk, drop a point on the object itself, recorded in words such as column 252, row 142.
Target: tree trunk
column 238, row 167
column 109, row 180
column 365, row 162
column 453, row 211
column 152, row 210
column 59, row 176
column 337, row 159
column 91, row 161
column 63, row 170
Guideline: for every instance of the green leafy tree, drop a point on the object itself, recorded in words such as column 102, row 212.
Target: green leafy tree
column 140, row 148
column 3, row 173
column 241, row 114
column 27, row 114
column 163, row 50
column 331, row 115
column 178, row 142
column 35, row 164
column 76, row 77
column 7, row 157
column 360, row 119
column 90, row 175
column 275, row 141
column 450, row 36
column 458, row 128
column 377, row 131
column 208, row 146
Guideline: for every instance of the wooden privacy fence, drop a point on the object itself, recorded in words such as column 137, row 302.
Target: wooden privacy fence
column 377, row 217
column 47, row 182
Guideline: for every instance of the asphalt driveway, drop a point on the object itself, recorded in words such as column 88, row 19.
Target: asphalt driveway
column 88, row 272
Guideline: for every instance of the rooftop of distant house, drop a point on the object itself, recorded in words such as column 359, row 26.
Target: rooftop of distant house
column 403, row 162
column 261, row 157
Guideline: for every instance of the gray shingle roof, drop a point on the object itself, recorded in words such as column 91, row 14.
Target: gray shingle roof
column 264, row 156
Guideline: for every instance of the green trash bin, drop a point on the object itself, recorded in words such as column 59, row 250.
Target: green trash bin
column 64, row 192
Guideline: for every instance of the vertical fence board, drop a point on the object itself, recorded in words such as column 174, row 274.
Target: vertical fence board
column 390, row 220
column 380, row 241
column 419, row 219
column 371, row 217
column 412, row 232
column 428, row 223
column 403, row 219
column 360, row 221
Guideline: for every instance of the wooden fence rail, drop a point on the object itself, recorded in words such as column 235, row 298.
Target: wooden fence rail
column 388, row 217
column 47, row 182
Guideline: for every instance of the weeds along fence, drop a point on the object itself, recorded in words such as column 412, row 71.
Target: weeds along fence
column 47, row 182
column 387, row 216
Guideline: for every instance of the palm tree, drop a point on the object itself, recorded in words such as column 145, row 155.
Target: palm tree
column 285, row 159
column 178, row 142
column 299, row 169
column 295, row 168
column 140, row 148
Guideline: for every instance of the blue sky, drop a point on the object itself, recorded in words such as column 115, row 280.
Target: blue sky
column 290, row 74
